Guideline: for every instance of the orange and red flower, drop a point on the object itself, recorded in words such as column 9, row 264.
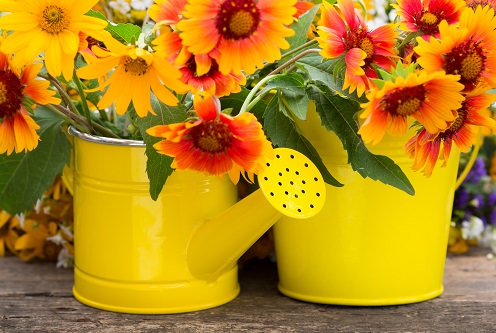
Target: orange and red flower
column 430, row 98
column 239, row 34
column 343, row 33
column 215, row 143
column 464, row 49
column 17, row 128
column 424, row 16
column 426, row 148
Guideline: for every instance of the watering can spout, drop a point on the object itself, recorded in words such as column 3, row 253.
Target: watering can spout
column 291, row 185
column 221, row 241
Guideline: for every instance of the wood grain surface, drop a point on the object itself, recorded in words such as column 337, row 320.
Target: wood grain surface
column 36, row 297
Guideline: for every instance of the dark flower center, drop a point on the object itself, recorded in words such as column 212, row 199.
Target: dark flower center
column 404, row 102
column 212, row 136
column 237, row 19
column 361, row 39
column 54, row 19
column 466, row 60
column 456, row 126
column 191, row 66
column 11, row 95
column 428, row 22
column 136, row 67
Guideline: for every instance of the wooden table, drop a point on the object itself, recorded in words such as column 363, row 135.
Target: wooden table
column 37, row 298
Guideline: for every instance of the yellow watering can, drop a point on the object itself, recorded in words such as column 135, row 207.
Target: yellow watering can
column 179, row 253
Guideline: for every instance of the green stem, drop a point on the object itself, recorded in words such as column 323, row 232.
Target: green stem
column 62, row 92
column 82, row 95
column 293, row 60
column 299, row 48
column 249, row 103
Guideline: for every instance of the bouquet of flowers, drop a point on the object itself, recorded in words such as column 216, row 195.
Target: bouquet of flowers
column 214, row 85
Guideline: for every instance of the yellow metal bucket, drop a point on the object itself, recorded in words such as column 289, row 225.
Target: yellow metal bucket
column 130, row 251
column 371, row 244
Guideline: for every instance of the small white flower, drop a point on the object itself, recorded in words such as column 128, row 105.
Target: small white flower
column 21, row 217
column 66, row 231
column 472, row 229
column 57, row 239
column 489, row 238
column 37, row 206
column 65, row 259
column 121, row 6
column 141, row 4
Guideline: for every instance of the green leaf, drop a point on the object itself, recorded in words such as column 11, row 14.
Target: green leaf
column 235, row 101
column 283, row 133
column 126, row 33
column 25, row 176
column 293, row 89
column 338, row 114
column 326, row 72
column 158, row 166
column 301, row 27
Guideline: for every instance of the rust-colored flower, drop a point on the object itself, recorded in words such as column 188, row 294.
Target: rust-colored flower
column 430, row 98
column 426, row 149
column 239, row 34
column 215, row 143
column 344, row 34
column 465, row 49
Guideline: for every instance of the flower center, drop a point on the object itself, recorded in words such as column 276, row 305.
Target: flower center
column 212, row 136
column 237, row 19
column 428, row 18
column 360, row 39
column 403, row 102
column 428, row 23
column 471, row 66
column 457, row 124
column 466, row 60
column 136, row 67
column 367, row 46
column 54, row 19
column 10, row 94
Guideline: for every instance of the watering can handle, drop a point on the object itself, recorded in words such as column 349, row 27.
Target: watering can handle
column 471, row 161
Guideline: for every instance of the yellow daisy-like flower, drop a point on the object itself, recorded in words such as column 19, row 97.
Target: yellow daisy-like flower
column 48, row 27
column 239, row 34
column 464, row 49
column 430, row 98
column 137, row 71
column 8, row 236
column 34, row 243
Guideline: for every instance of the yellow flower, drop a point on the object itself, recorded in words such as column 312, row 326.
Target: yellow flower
column 34, row 244
column 8, row 235
column 48, row 27
column 137, row 71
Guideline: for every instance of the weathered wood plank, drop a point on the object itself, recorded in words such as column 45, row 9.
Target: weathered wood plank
column 37, row 298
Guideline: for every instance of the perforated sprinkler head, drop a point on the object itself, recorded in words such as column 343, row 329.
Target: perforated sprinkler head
column 293, row 184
